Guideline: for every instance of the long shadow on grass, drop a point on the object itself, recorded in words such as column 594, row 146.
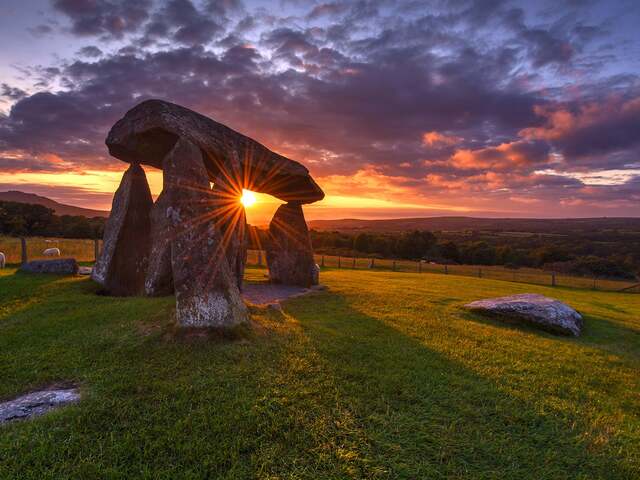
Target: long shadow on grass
column 156, row 407
column 419, row 414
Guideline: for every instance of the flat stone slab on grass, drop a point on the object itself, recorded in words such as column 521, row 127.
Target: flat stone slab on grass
column 536, row 310
column 61, row 266
column 85, row 270
column 36, row 403
column 270, row 293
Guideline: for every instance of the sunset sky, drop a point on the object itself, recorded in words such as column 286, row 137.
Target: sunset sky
column 398, row 108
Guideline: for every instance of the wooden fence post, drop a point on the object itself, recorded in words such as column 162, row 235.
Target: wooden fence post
column 372, row 263
column 553, row 279
column 23, row 250
column 354, row 263
column 419, row 267
column 338, row 261
column 479, row 273
column 394, row 265
column 594, row 282
column 322, row 261
column 446, row 269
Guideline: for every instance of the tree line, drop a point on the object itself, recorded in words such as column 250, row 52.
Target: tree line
column 614, row 255
column 25, row 219
column 606, row 253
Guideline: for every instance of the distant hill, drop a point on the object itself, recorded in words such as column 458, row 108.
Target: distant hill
column 534, row 225
column 58, row 208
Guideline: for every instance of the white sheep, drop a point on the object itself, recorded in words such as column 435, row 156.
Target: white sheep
column 3, row 260
column 51, row 252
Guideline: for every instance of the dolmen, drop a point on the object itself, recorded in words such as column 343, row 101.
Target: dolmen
column 191, row 242
column 534, row 310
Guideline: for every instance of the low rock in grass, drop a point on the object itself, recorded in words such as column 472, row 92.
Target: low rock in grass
column 536, row 310
column 61, row 266
column 36, row 403
column 85, row 270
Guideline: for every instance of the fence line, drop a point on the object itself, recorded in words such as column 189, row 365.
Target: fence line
column 521, row 275
column 19, row 250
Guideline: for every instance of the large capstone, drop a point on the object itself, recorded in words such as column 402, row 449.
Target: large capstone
column 149, row 131
column 289, row 251
column 535, row 310
column 206, row 287
column 122, row 265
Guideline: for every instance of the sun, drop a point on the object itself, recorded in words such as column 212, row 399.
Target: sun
column 248, row 198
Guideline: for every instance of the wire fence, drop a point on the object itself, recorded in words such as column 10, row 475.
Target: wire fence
column 520, row 275
column 83, row 250
column 17, row 250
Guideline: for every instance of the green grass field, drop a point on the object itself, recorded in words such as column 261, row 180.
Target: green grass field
column 381, row 376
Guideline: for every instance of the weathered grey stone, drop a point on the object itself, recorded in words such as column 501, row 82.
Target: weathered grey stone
column 230, row 219
column 85, row 270
column 206, row 286
column 36, row 403
column 289, row 252
column 533, row 309
column 122, row 264
column 159, row 278
column 61, row 266
column 149, row 130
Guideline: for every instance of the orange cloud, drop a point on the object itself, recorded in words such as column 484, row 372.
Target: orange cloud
column 436, row 139
column 504, row 156
column 561, row 122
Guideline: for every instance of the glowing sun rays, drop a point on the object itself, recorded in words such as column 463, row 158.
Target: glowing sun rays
column 248, row 198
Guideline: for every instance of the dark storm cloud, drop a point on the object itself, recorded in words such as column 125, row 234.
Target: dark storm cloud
column 327, row 10
column 591, row 132
column 90, row 51
column 108, row 18
column 41, row 30
column 29, row 164
column 436, row 100
column 181, row 21
column 11, row 93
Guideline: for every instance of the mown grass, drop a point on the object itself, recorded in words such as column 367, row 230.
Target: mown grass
column 381, row 376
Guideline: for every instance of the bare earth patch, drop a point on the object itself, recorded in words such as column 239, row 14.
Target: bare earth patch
column 272, row 294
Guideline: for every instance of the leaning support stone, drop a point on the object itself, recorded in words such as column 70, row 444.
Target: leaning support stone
column 159, row 279
column 206, row 286
column 289, row 252
column 122, row 264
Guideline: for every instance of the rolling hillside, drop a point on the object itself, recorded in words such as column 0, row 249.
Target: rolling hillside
column 535, row 225
column 58, row 208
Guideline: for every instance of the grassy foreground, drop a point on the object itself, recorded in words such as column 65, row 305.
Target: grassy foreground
column 381, row 376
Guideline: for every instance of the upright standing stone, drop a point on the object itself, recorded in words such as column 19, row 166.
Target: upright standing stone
column 289, row 252
column 229, row 214
column 206, row 287
column 122, row 264
column 159, row 278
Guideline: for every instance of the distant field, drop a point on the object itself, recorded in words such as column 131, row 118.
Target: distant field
column 382, row 376
column 521, row 275
column 81, row 249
